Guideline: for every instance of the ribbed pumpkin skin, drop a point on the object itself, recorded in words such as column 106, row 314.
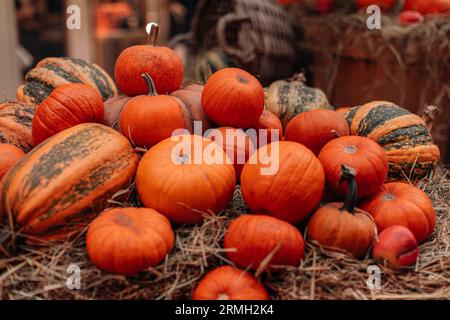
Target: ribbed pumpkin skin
column 9, row 156
column 228, row 283
column 256, row 236
column 15, row 124
column 402, row 204
column 270, row 122
column 363, row 155
column 169, row 181
column 67, row 106
column 161, row 63
column 286, row 99
column 129, row 240
column 403, row 135
column 315, row 128
column 290, row 194
column 243, row 102
column 51, row 73
column 237, row 146
column 147, row 120
column 335, row 228
column 67, row 179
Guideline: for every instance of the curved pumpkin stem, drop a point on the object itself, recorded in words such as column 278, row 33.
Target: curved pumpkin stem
column 153, row 31
column 348, row 175
column 150, row 84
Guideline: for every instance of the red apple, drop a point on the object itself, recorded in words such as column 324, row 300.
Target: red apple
column 397, row 246
column 410, row 17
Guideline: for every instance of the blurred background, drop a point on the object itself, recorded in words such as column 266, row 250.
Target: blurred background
column 406, row 62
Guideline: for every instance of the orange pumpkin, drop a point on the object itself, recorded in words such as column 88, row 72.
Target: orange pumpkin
column 129, row 240
column 271, row 125
column 233, row 97
column 147, row 120
column 383, row 4
column 401, row 204
column 255, row 237
column 15, row 124
column 161, row 63
column 342, row 110
column 9, row 156
column 228, row 283
column 428, row 6
column 362, row 154
column 186, row 177
column 235, row 143
column 315, row 128
column 283, row 179
column 67, row 106
column 342, row 226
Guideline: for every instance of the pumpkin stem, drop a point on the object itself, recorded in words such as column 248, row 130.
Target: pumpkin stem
column 153, row 31
column 348, row 175
column 150, row 84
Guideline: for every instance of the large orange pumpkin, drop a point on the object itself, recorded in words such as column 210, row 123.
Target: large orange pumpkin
column 341, row 225
column 67, row 106
column 147, row 120
column 129, row 240
column 401, row 204
column 9, row 156
column 186, row 177
column 62, row 183
column 233, row 97
column 271, row 126
column 364, row 155
column 255, row 237
column 161, row 63
column 428, row 6
column 228, row 283
column 237, row 145
column 315, row 128
column 283, row 179
column 15, row 124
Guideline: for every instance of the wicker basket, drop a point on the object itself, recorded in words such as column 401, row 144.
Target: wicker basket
column 256, row 33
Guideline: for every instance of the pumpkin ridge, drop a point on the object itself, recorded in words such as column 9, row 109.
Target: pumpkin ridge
column 416, row 134
column 50, row 109
column 378, row 116
column 389, row 126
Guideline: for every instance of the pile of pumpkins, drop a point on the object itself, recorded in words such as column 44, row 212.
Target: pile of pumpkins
column 72, row 147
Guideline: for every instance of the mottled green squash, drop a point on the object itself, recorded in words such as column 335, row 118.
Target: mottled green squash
column 15, row 124
column 403, row 135
column 65, row 181
column 54, row 72
column 286, row 99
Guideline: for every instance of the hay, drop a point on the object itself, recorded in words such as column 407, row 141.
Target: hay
column 41, row 273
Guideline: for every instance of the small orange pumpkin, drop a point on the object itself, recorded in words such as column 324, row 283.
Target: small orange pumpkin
column 147, row 120
column 364, row 155
column 184, row 184
column 67, row 106
column 341, row 225
column 9, row 156
column 161, row 63
column 129, row 240
column 233, row 97
column 269, row 122
column 315, row 128
column 283, row 179
column 237, row 145
column 255, row 237
column 401, row 204
column 228, row 283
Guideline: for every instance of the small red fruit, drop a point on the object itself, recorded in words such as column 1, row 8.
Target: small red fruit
column 397, row 246
column 410, row 17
